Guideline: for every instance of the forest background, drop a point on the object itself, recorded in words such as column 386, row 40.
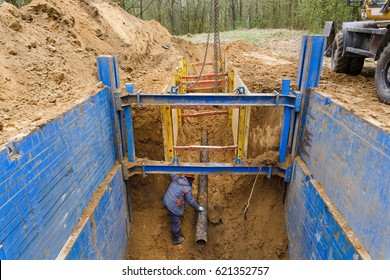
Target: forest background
column 192, row 16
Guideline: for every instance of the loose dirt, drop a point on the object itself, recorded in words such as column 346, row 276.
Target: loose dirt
column 356, row 93
column 48, row 51
column 47, row 66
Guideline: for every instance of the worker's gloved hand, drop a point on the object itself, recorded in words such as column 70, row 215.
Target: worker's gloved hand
column 201, row 209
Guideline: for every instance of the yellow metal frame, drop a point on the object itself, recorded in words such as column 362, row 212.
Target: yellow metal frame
column 243, row 132
column 184, row 73
column 230, row 90
column 171, row 124
column 182, row 89
column 243, row 125
column 167, row 126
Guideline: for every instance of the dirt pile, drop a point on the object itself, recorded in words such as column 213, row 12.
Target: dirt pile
column 357, row 94
column 48, row 51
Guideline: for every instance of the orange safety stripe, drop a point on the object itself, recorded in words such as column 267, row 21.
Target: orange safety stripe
column 180, row 202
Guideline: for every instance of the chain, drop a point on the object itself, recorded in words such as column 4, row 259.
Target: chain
column 217, row 45
column 207, row 44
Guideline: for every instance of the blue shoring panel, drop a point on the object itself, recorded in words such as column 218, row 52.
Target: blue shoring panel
column 350, row 157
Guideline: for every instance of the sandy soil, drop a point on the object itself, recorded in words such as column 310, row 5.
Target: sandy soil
column 48, row 51
column 47, row 65
column 356, row 93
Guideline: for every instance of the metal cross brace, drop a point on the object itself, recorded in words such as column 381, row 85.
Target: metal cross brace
column 206, row 99
column 157, row 167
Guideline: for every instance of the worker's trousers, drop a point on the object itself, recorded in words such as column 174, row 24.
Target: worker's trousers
column 175, row 222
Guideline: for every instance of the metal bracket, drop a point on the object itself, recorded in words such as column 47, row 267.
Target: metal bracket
column 118, row 101
column 269, row 172
column 129, row 88
column 174, row 90
column 139, row 104
column 241, row 90
column 298, row 101
column 125, row 172
column 277, row 99
column 175, row 161
column 237, row 162
column 287, row 176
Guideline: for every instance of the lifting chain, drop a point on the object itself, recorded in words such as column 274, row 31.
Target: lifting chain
column 217, row 45
column 207, row 43
column 214, row 13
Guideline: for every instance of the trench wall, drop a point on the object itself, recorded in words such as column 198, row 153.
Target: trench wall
column 348, row 159
column 47, row 180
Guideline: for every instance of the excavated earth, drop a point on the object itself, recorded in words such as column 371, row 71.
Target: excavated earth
column 47, row 66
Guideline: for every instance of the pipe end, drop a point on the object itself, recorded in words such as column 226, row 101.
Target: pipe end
column 201, row 242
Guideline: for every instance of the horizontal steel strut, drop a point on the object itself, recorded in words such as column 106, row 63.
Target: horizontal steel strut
column 204, row 82
column 194, row 77
column 157, row 167
column 205, row 148
column 201, row 89
column 205, row 99
column 205, row 114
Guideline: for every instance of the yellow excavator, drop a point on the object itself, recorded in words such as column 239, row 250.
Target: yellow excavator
column 359, row 40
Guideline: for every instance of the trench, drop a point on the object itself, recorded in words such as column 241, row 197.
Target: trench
column 259, row 235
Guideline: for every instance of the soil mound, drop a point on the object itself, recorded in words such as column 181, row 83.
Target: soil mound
column 48, row 51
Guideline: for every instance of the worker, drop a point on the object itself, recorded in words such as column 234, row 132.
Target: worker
column 178, row 193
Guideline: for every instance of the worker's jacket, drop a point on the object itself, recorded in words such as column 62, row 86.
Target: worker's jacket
column 178, row 193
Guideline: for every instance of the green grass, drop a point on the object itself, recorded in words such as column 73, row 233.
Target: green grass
column 253, row 36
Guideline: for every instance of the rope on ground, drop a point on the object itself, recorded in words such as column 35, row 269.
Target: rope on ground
column 250, row 196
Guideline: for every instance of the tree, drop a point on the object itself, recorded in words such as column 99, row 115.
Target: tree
column 17, row 3
column 184, row 16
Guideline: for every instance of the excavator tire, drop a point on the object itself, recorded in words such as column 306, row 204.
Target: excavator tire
column 355, row 65
column 382, row 75
column 339, row 63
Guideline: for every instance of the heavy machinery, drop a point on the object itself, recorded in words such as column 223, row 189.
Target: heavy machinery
column 363, row 39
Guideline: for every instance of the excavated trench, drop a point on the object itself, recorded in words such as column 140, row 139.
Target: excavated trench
column 260, row 234
column 55, row 43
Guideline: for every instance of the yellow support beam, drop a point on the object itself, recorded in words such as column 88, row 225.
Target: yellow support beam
column 241, row 133
column 167, row 132
column 243, row 125
column 246, row 131
column 184, row 73
column 230, row 90
column 182, row 89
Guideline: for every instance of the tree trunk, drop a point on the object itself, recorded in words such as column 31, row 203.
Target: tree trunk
column 233, row 7
column 159, row 11
column 241, row 9
column 173, row 16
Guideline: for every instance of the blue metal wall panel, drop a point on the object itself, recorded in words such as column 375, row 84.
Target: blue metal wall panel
column 351, row 159
column 49, row 178
column 104, row 235
column 313, row 231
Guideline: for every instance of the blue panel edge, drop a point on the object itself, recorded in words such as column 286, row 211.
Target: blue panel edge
column 312, row 229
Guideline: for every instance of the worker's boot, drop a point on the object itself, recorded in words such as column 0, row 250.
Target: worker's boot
column 177, row 239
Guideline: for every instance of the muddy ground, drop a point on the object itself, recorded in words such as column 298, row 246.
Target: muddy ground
column 47, row 66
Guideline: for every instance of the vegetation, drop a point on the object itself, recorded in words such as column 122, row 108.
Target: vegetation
column 254, row 36
column 17, row 3
column 191, row 16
